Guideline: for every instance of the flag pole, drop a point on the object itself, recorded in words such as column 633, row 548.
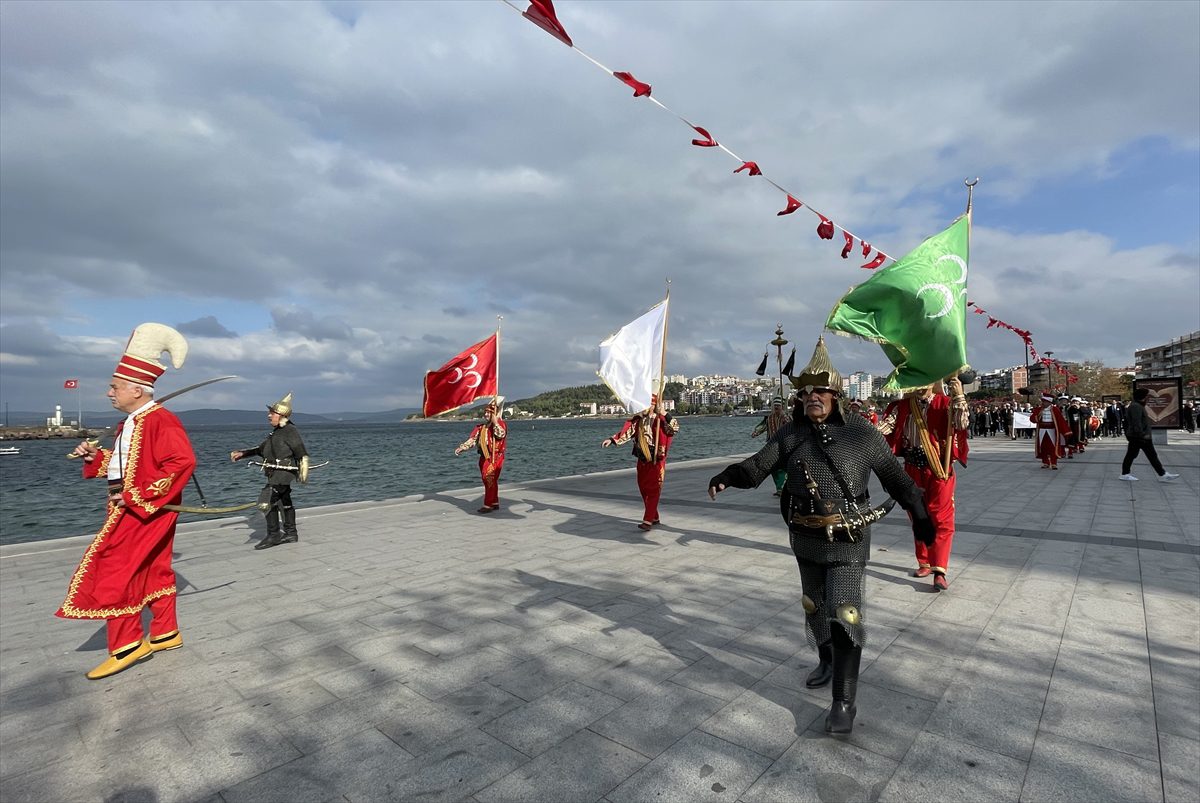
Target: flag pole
column 79, row 404
column 662, row 372
column 496, row 397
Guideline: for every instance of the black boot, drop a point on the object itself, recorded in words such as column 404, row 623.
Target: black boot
column 824, row 671
column 273, row 533
column 846, row 658
column 290, row 536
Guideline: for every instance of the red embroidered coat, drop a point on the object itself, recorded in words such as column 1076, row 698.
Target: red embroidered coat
column 128, row 563
column 937, row 421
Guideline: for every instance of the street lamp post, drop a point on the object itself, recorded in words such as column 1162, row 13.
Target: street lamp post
column 1048, row 355
column 779, row 342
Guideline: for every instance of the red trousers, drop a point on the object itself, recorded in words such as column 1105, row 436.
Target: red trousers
column 126, row 631
column 489, row 470
column 650, row 483
column 939, row 497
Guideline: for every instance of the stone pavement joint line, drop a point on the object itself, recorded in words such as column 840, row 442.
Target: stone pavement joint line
column 410, row 649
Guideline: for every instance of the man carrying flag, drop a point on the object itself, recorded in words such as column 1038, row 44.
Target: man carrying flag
column 651, row 432
column 490, row 439
column 633, row 364
column 916, row 310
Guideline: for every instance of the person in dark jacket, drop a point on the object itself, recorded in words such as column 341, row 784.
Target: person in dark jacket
column 285, row 459
column 829, row 460
column 1137, row 432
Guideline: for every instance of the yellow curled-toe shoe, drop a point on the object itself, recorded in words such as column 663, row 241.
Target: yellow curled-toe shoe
column 171, row 641
column 112, row 665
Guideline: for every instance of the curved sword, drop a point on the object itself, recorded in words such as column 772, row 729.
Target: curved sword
column 208, row 510
column 170, row 396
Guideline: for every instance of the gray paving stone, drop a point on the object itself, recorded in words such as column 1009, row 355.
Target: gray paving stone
column 1180, row 767
column 652, row 723
column 945, row 768
column 974, row 712
column 817, row 768
column 767, row 719
column 1109, row 622
column 536, row 726
column 585, row 766
column 913, row 672
column 1066, row 770
column 697, row 767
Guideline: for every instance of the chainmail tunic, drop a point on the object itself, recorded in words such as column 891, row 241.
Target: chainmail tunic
column 830, row 572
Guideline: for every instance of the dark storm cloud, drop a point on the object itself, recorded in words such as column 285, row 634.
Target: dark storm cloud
column 304, row 322
column 207, row 326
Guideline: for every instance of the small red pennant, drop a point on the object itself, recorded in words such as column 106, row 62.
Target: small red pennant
column 824, row 228
column 751, row 166
column 541, row 13
column 879, row 259
column 639, row 88
column 866, row 248
column 707, row 142
column 792, row 206
column 849, row 244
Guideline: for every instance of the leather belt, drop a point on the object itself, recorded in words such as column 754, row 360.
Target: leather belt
column 818, row 522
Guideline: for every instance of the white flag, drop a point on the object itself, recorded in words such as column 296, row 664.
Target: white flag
column 631, row 359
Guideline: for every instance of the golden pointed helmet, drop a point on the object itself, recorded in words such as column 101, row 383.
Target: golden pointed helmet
column 139, row 364
column 283, row 407
column 819, row 373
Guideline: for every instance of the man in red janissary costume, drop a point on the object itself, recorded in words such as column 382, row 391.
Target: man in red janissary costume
column 651, row 432
column 929, row 430
column 128, row 564
column 1050, row 437
column 490, row 439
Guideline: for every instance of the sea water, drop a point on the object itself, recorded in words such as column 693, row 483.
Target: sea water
column 42, row 494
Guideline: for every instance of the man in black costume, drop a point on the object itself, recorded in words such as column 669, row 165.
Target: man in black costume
column 285, row 459
column 829, row 460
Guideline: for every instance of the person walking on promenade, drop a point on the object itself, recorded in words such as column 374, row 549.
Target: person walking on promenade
column 284, row 459
column 490, row 439
column 1139, row 435
column 651, row 432
column 1050, row 435
column 771, row 424
column 829, row 459
column 127, row 567
column 929, row 430
column 1189, row 416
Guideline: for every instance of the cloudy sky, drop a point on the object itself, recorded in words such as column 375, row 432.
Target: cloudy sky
column 332, row 198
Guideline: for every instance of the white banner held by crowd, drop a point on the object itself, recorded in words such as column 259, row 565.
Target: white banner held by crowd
column 1021, row 420
column 631, row 359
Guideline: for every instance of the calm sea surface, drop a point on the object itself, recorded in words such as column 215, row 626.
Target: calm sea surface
column 42, row 495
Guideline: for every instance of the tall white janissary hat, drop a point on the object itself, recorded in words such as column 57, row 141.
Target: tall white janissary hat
column 139, row 364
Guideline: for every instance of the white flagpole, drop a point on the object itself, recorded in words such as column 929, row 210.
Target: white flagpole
column 79, row 403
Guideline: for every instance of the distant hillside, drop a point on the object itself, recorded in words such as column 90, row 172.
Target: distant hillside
column 565, row 401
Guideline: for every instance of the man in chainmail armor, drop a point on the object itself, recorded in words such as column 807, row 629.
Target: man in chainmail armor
column 283, row 447
column 829, row 460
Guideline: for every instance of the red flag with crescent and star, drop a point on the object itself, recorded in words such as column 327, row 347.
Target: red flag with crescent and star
column 469, row 376
column 71, row 384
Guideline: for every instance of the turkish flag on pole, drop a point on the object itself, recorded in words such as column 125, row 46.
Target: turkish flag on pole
column 467, row 377
column 71, row 384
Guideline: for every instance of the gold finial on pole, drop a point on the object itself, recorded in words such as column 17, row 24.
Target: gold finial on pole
column 970, row 191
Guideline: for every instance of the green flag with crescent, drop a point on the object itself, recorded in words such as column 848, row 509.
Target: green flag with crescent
column 915, row 309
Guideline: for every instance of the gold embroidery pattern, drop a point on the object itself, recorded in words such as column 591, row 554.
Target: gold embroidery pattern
column 933, row 449
column 162, row 486
column 135, row 452
column 105, row 459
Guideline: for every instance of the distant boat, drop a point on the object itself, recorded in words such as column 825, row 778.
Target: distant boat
column 9, row 450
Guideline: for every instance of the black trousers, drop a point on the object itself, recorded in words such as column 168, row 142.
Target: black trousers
column 1146, row 446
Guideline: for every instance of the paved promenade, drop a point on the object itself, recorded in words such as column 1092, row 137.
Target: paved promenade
column 409, row 649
